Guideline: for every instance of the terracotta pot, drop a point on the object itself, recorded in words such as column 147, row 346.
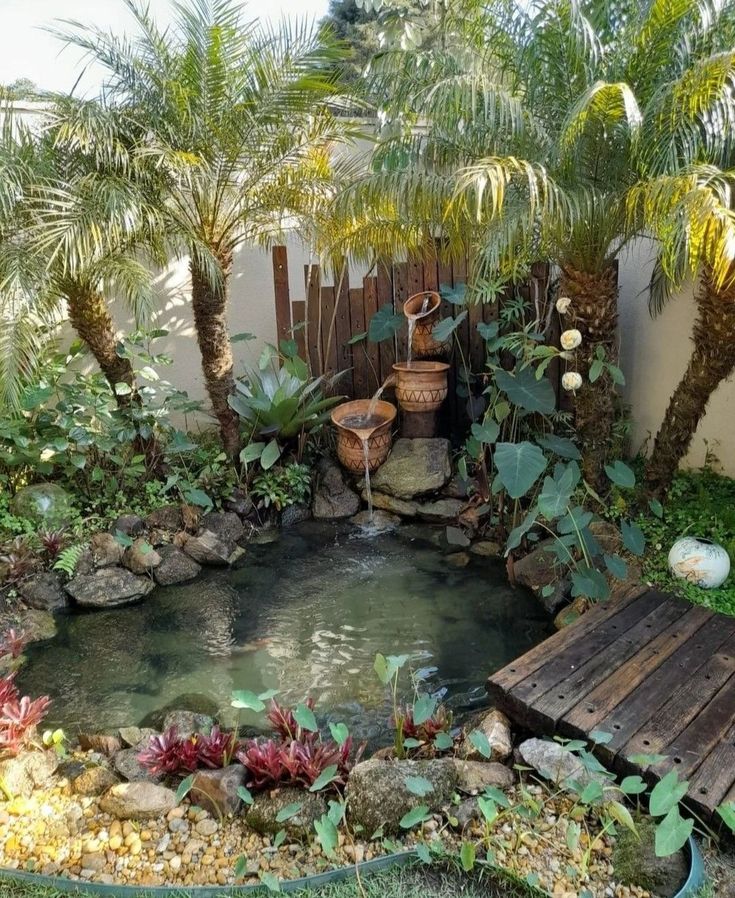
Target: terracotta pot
column 421, row 386
column 379, row 434
column 423, row 344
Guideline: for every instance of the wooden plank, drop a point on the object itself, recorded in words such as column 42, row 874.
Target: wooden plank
column 282, row 295
column 370, row 304
column 431, row 274
column 358, row 351
column 385, row 297
column 708, row 728
column 715, row 776
column 672, row 713
column 329, row 347
column 563, row 664
column 448, row 413
column 298, row 315
column 559, row 698
column 505, row 679
column 627, row 718
column 312, row 281
column 400, row 295
column 343, row 329
column 602, row 700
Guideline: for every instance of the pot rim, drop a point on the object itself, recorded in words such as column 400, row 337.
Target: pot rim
column 434, row 306
column 386, row 410
column 421, row 367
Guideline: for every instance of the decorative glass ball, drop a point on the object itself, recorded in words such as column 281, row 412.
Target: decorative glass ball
column 700, row 561
column 43, row 503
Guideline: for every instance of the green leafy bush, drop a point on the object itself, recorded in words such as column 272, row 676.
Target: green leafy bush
column 280, row 487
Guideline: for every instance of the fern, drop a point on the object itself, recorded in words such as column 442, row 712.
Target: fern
column 69, row 559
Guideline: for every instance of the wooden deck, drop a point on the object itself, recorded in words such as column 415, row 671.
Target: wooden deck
column 651, row 670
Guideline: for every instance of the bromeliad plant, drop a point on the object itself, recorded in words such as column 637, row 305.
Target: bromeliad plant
column 19, row 714
column 172, row 754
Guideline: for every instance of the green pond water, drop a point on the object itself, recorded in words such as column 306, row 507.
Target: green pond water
column 304, row 614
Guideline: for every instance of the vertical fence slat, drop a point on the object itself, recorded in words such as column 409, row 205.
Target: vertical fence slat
column 358, row 350
column 329, row 347
column 298, row 313
column 370, row 304
column 343, row 329
column 448, row 412
column 400, row 295
column 312, row 281
column 431, row 275
column 280, row 286
column 385, row 296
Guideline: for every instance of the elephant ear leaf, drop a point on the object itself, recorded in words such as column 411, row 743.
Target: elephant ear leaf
column 384, row 324
column 519, row 466
column 525, row 391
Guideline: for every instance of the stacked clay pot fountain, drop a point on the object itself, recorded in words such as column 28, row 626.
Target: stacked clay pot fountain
column 364, row 433
column 422, row 312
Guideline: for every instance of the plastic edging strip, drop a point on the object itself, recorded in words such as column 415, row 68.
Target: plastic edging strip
column 76, row 887
column 697, row 877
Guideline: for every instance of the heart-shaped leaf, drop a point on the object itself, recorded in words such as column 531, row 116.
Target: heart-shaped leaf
column 620, row 474
column 444, row 329
column 327, row 776
column 423, row 708
column 418, row 785
column 339, row 732
column 416, row 815
column 289, row 811
column 526, row 392
column 519, row 466
column 384, row 324
column 304, row 717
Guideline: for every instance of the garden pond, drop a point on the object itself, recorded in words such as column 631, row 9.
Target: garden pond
column 304, row 614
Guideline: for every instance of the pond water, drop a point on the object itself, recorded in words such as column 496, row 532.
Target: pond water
column 304, row 614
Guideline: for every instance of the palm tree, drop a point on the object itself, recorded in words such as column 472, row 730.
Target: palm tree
column 236, row 121
column 73, row 228
column 523, row 131
column 693, row 216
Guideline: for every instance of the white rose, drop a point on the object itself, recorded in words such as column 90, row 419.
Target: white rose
column 571, row 381
column 562, row 305
column 571, row 339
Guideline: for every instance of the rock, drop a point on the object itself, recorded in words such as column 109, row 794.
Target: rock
column 168, row 517
column 44, row 592
column 457, row 559
column 443, row 511
column 467, row 811
column 187, row 723
column 414, row 468
column 29, row 770
column 128, row 525
column 635, row 862
column 126, row 763
column 109, row 587
column 189, row 701
column 46, row 504
column 240, row 503
column 377, row 794
column 99, row 742
column 333, row 498
column 94, row 861
column 216, row 790
column 457, row 488
column 487, row 548
column 392, row 505
column 540, row 569
column 224, row 524
column 571, row 613
column 37, row 625
column 632, row 584
column 496, row 727
column 175, row 567
column 207, row 548
column 141, row 557
column 106, row 550
column 94, row 781
column 553, row 762
column 474, row 777
column 294, row 514
column 137, row 801
column 608, row 536
column 262, row 814
column 136, row 737
column 380, row 522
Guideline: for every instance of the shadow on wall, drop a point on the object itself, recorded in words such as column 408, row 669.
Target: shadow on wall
column 654, row 356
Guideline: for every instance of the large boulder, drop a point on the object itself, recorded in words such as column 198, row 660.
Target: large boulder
column 392, row 505
column 333, row 498
column 216, row 790
column 44, row 592
column 129, row 525
column 21, row 774
column 377, row 794
column 141, row 557
column 37, row 625
column 106, row 550
column 541, row 572
column 224, row 524
column 138, row 801
column 443, row 511
column 186, row 723
column 262, row 814
column 562, row 767
column 414, row 468
column 474, row 777
column 207, row 548
column 175, row 567
column 109, row 587
column 167, row 517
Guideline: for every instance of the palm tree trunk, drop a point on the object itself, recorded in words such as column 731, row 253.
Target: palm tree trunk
column 712, row 360
column 594, row 312
column 91, row 319
column 210, row 318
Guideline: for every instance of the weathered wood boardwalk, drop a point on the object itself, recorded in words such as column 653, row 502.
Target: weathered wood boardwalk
column 651, row 670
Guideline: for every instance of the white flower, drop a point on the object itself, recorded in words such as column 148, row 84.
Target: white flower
column 562, row 305
column 571, row 339
column 571, row 381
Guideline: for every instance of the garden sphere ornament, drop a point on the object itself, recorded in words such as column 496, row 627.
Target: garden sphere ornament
column 700, row 561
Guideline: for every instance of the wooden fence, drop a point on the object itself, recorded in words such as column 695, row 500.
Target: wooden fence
column 328, row 317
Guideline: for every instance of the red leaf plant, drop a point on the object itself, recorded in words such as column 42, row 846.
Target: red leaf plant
column 170, row 753
column 439, row 722
column 19, row 715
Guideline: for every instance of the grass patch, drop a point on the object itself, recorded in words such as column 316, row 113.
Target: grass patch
column 410, row 881
column 700, row 503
